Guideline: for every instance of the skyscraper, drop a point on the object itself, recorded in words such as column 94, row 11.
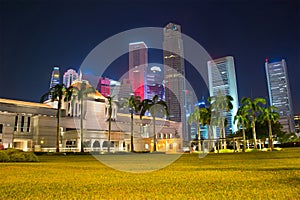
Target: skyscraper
column 279, row 93
column 138, row 62
column 222, row 78
column 55, row 78
column 104, row 86
column 154, row 78
column 174, row 75
column 69, row 76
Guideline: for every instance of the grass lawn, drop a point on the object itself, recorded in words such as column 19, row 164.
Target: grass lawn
column 256, row 175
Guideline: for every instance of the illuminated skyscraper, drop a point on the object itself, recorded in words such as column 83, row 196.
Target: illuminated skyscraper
column 221, row 77
column 104, row 86
column 279, row 93
column 154, row 78
column 138, row 62
column 174, row 75
column 55, row 79
column 69, row 76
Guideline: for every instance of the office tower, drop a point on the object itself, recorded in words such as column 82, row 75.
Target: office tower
column 154, row 79
column 55, row 79
column 297, row 123
column 222, row 78
column 104, row 86
column 174, row 76
column 69, row 76
column 279, row 93
column 138, row 62
column 124, row 90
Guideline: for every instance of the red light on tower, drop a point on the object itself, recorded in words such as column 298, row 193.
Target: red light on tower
column 267, row 60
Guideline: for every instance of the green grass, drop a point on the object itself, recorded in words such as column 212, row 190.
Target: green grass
column 255, row 175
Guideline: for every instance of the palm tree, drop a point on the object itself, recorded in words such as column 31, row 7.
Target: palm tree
column 270, row 115
column 242, row 120
column 205, row 114
column 110, row 101
column 154, row 105
column 58, row 93
column 134, row 103
column 82, row 90
column 195, row 117
column 253, row 108
column 220, row 105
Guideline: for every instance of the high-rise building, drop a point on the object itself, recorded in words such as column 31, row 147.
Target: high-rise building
column 279, row 93
column 138, row 62
column 155, row 78
column 297, row 123
column 222, row 78
column 69, row 76
column 104, row 86
column 55, row 78
column 174, row 76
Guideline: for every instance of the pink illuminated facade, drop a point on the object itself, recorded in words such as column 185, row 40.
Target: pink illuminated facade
column 138, row 62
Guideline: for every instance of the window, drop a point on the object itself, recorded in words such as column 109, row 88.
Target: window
column 22, row 123
column 16, row 123
column 1, row 128
column 28, row 124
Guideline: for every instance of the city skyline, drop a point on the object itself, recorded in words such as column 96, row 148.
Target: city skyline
column 34, row 44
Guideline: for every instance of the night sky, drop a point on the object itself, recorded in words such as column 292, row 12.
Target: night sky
column 36, row 35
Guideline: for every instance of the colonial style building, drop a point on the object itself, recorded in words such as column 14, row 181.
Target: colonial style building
column 32, row 127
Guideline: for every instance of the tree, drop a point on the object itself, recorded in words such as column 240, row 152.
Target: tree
column 220, row 105
column 270, row 115
column 58, row 93
column 110, row 101
column 134, row 104
column 253, row 109
column 81, row 91
column 242, row 120
column 195, row 117
column 153, row 106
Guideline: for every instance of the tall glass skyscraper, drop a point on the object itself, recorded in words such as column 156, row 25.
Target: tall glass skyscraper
column 174, row 76
column 138, row 62
column 55, row 78
column 279, row 93
column 69, row 76
column 221, row 77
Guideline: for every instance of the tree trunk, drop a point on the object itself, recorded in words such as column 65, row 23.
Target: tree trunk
column 254, row 132
column 131, row 137
column 270, row 136
column 58, row 127
column 244, row 138
column 199, row 138
column 109, row 129
column 81, row 125
column 154, row 135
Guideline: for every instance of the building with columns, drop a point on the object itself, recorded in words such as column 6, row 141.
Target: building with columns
column 32, row 127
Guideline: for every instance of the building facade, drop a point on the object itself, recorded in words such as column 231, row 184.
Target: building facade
column 104, row 86
column 222, row 79
column 55, row 77
column 155, row 78
column 279, row 93
column 297, row 123
column 138, row 63
column 174, row 75
column 69, row 77
column 32, row 127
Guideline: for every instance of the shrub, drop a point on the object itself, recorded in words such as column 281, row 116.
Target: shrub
column 3, row 156
column 12, row 151
column 17, row 157
column 30, row 157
